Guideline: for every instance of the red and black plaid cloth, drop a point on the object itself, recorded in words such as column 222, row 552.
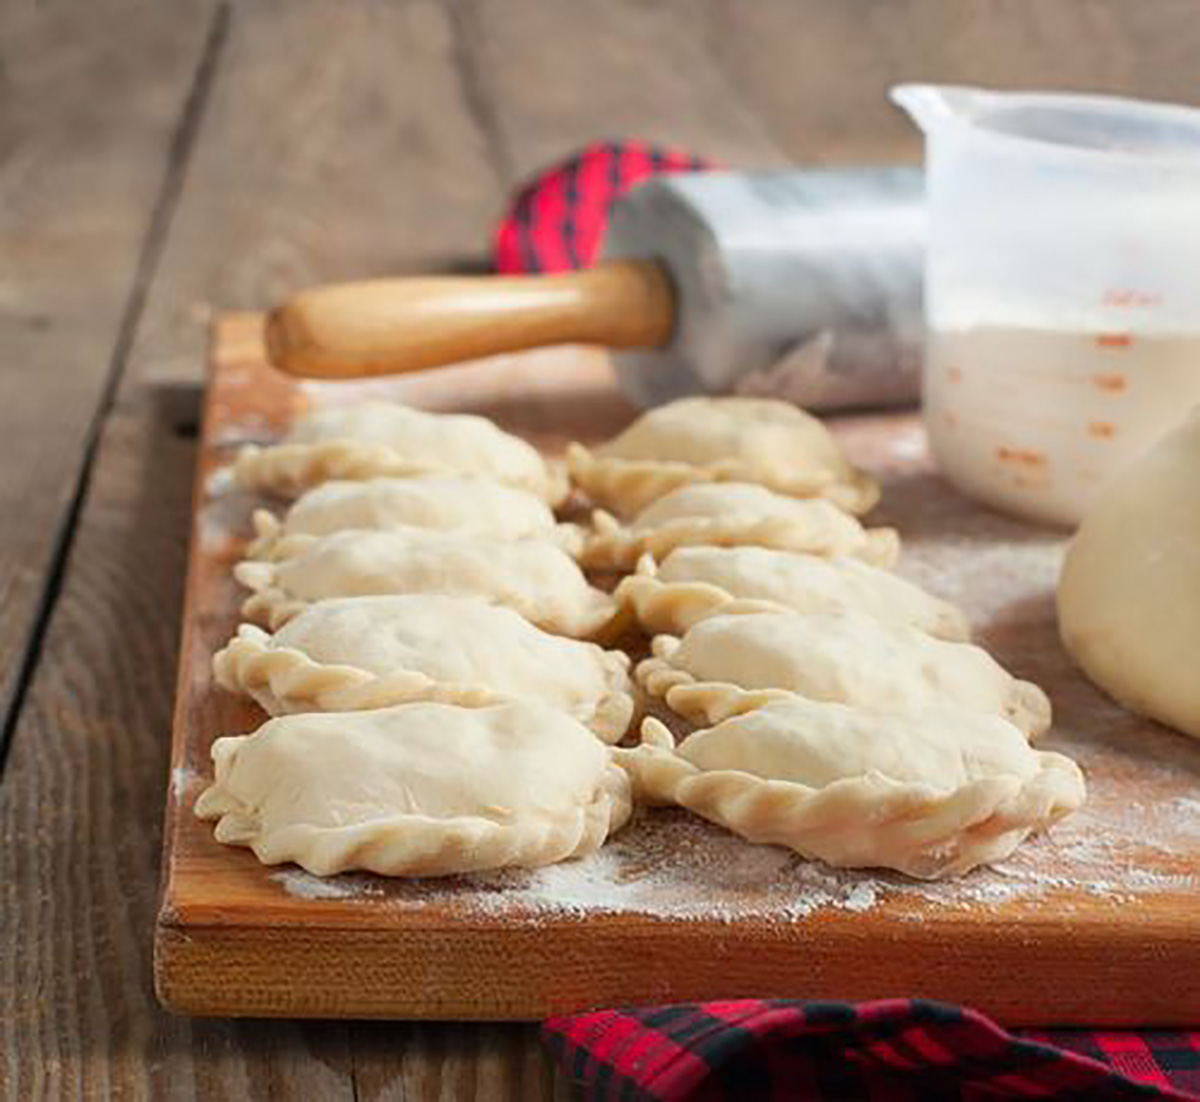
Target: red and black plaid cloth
column 556, row 222
column 895, row 1050
column 749, row 1049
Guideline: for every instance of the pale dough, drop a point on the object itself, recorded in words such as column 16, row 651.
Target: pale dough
column 386, row 438
column 422, row 789
column 931, row 794
column 538, row 580
column 692, row 583
column 471, row 505
column 731, row 439
column 1129, row 595
column 728, row 514
column 844, row 658
column 369, row 652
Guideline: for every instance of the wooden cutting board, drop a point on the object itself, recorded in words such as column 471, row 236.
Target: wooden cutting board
column 1096, row 923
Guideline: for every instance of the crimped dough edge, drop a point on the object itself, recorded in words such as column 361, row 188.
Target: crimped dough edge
column 612, row 545
column 631, row 484
column 270, row 531
column 417, row 845
column 287, row 470
column 1026, row 707
column 274, row 606
column 868, row 821
column 285, row 680
column 674, row 607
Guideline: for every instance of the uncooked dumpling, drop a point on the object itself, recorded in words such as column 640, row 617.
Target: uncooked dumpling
column 931, row 794
column 538, row 580
column 1129, row 595
column 370, row 652
column 844, row 658
column 421, row 789
column 470, row 505
column 694, row 582
column 386, row 438
column 728, row 514
column 719, row 440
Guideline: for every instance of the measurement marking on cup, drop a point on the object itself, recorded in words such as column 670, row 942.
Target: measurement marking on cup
column 1115, row 341
column 1022, row 457
column 1127, row 296
column 1102, row 430
column 1110, row 380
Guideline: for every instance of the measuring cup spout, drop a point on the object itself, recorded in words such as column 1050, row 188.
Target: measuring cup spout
column 931, row 105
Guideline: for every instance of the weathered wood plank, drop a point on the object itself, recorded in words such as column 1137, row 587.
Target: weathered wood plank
column 818, row 72
column 337, row 144
column 315, row 166
column 555, row 76
column 400, row 1062
column 79, row 819
column 90, row 96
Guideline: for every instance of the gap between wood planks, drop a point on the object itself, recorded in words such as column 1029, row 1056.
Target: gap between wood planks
column 183, row 140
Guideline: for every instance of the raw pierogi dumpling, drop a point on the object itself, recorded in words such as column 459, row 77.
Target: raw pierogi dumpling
column 538, row 580
column 469, row 505
column 368, row 652
column 375, row 438
column 422, row 789
column 694, row 582
column 731, row 439
column 931, row 794
column 735, row 514
column 844, row 658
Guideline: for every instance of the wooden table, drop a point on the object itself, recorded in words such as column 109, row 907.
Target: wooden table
column 158, row 161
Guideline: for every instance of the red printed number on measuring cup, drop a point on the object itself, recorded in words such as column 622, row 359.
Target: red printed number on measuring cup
column 1131, row 297
column 1023, row 457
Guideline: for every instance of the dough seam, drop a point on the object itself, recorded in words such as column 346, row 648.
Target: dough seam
column 1025, row 705
column 610, row 544
column 290, row 469
column 270, row 533
column 866, row 821
column 417, row 845
column 637, row 482
column 272, row 604
column 285, row 680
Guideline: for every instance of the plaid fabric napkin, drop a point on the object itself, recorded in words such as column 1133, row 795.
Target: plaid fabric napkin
column 895, row 1050
column 892, row 1050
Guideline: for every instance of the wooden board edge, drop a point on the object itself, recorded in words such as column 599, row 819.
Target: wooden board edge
column 165, row 915
column 229, row 970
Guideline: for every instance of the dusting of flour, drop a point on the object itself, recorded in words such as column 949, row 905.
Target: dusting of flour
column 1138, row 835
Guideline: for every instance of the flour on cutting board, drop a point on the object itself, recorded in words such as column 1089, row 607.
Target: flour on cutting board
column 669, row 864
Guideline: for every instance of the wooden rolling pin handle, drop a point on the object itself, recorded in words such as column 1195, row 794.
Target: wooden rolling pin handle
column 392, row 326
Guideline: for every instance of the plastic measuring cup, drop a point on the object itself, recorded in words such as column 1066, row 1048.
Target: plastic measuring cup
column 1062, row 288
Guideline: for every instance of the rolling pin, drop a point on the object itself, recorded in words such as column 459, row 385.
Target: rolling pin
column 799, row 284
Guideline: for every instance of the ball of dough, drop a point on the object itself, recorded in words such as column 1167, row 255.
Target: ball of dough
column 1129, row 594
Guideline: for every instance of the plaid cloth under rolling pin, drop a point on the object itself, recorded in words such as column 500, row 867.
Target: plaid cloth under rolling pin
column 898, row 1049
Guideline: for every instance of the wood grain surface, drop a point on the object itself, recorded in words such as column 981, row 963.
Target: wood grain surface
column 235, row 937
column 78, row 177
column 321, row 139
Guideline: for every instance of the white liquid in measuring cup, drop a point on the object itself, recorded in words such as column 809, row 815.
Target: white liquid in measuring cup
column 1035, row 421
